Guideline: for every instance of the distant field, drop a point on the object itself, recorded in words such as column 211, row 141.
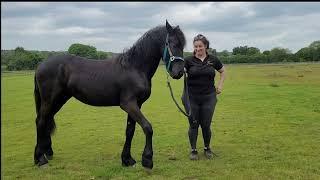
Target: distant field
column 266, row 126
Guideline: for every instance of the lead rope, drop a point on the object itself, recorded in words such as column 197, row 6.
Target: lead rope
column 186, row 94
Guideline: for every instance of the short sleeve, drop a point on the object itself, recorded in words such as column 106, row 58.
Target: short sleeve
column 217, row 65
column 187, row 62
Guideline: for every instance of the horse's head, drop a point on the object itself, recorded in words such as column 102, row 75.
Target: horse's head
column 173, row 51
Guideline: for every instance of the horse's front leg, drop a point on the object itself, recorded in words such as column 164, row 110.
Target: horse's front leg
column 133, row 110
column 127, row 160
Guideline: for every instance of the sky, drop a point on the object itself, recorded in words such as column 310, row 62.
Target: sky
column 116, row 26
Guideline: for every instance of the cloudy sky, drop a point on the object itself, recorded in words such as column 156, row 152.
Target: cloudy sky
column 114, row 26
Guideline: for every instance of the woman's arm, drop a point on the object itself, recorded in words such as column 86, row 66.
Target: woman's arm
column 222, row 72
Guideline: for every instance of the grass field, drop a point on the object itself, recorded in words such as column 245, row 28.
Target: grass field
column 266, row 126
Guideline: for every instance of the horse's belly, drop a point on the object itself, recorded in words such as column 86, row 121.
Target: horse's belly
column 97, row 96
column 98, row 101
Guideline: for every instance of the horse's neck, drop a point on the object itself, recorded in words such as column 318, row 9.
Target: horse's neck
column 149, row 62
column 152, row 66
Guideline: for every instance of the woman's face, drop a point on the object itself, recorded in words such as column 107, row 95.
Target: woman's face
column 199, row 48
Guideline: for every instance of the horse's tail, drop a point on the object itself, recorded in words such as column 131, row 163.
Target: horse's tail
column 48, row 124
column 37, row 95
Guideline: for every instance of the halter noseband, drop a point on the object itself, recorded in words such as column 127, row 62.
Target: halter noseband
column 171, row 57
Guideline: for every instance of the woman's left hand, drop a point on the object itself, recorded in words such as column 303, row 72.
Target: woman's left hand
column 218, row 90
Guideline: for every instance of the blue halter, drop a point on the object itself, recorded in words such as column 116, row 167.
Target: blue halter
column 167, row 56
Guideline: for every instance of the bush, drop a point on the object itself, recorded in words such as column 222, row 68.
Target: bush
column 83, row 51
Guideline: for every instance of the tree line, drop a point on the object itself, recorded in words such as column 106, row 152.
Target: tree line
column 21, row 59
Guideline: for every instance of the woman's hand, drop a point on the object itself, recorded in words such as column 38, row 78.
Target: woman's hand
column 218, row 90
column 222, row 77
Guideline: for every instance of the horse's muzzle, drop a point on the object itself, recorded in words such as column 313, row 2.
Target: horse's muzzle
column 178, row 75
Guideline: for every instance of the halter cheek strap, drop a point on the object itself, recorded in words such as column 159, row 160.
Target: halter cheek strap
column 167, row 56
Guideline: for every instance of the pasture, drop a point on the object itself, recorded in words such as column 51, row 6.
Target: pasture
column 266, row 126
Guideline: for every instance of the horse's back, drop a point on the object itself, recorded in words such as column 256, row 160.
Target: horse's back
column 94, row 82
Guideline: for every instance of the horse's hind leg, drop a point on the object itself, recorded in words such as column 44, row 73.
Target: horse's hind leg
column 45, row 125
column 127, row 160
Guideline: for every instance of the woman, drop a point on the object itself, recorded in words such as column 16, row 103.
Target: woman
column 202, row 93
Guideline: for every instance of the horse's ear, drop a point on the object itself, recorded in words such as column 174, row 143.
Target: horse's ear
column 169, row 27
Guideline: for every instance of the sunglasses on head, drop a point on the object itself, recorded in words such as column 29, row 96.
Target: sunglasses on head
column 198, row 37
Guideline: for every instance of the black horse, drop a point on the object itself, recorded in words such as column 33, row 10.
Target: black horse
column 124, row 80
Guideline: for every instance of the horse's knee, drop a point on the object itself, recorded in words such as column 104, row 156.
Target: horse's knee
column 148, row 129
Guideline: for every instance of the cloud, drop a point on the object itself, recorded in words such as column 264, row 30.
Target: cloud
column 114, row 26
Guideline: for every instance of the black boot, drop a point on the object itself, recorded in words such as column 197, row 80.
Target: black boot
column 194, row 155
column 208, row 153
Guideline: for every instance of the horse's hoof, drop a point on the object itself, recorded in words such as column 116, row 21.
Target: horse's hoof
column 128, row 162
column 42, row 161
column 147, row 163
column 131, row 162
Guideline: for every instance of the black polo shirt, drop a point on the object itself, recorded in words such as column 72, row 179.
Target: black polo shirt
column 201, row 74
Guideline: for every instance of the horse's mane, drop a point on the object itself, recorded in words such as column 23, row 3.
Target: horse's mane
column 143, row 46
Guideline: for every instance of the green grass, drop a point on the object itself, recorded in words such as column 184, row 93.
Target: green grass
column 266, row 126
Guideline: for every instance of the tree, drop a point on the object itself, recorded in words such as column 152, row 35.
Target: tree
column 102, row 55
column 83, row 51
column 315, row 44
column 304, row 54
column 315, row 50
column 23, row 60
column 242, row 50
column 266, row 52
column 19, row 50
column 224, row 53
column 279, row 54
column 253, row 50
column 245, row 50
column 212, row 51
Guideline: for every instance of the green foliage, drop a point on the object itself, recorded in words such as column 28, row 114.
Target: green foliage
column 253, row 50
column 245, row 50
column 266, row 52
column 186, row 54
column 21, row 59
column 310, row 53
column 103, row 55
column 212, row 51
column 315, row 50
column 224, row 53
column 83, row 51
column 279, row 54
column 304, row 54
column 315, row 44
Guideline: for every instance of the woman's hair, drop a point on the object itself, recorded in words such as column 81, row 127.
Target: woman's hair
column 203, row 39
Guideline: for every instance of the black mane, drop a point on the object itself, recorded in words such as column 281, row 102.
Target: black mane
column 143, row 46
